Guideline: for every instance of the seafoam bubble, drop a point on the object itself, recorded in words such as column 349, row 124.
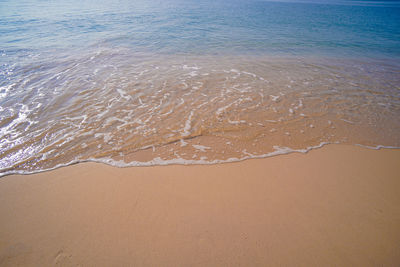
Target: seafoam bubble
column 128, row 104
column 201, row 148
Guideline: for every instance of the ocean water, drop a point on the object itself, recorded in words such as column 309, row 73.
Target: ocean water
column 148, row 82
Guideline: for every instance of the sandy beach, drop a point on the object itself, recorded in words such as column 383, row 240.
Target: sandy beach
column 182, row 129
column 334, row 206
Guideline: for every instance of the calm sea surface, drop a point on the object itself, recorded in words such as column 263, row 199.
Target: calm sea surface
column 147, row 82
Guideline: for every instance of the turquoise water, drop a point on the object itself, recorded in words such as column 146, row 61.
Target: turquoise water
column 346, row 28
column 147, row 82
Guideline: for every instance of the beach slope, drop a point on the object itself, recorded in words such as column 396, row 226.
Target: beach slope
column 334, row 206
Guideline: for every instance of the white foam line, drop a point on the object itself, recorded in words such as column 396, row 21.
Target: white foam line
column 222, row 109
column 167, row 113
column 191, row 68
column 378, row 147
column 201, row 148
column 236, row 122
column 188, row 125
column 199, row 106
column 179, row 161
column 249, row 73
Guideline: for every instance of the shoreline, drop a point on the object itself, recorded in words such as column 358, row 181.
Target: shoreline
column 193, row 108
column 183, row 162
column 336, row 205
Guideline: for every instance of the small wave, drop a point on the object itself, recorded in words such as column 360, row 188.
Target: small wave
column 132, row 103
column 177, row 161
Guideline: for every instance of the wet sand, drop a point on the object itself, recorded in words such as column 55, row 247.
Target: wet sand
column 334, row 206
column 134, row 109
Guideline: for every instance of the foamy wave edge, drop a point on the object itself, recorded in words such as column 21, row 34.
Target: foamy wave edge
column 179, row 161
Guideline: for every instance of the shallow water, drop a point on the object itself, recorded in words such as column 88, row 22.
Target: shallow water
column 147, row 82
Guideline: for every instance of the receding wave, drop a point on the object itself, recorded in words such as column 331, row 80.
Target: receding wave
column 135, row 109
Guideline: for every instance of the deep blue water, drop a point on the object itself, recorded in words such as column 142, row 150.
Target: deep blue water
column 345, row 28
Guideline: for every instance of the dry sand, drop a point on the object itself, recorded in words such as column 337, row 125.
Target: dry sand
column 335, row 206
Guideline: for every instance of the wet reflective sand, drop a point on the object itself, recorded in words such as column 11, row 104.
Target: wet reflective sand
column 126, row 108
